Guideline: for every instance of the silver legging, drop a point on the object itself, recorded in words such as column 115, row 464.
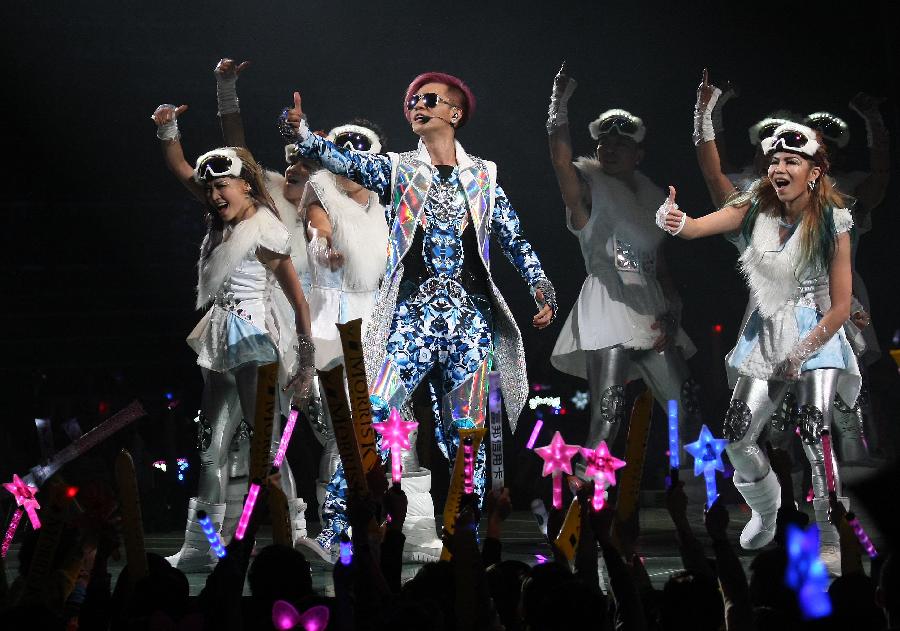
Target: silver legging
column 752, row 404
column 226, row 398
column 666, row 374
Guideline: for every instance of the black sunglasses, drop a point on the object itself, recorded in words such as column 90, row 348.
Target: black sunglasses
column 430, row 99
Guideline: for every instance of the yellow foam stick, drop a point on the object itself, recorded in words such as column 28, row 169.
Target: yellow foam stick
column 132, row 524
column 454, row 495
column 567, row 539
column 895, row 353
column 261, row 444
column 635, row 452
column 344, row 433
column 360, row 405
column 278, row 510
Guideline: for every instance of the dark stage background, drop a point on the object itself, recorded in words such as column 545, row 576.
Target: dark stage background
column 100, row 242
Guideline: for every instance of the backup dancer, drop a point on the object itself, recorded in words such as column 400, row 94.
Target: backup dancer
column 439, row 319
column 797, row 265
column 347, row 249
column 624, row 324
column 285, row 190
column 257, row 314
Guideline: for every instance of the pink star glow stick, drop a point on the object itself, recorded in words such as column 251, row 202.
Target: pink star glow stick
column 249, row 503
column 601, row 466
column 285, row 438
column 468, row 467
column 11, row 531
column 395, row 436
column 557, row 460
column 829, row 463
column 24, row 494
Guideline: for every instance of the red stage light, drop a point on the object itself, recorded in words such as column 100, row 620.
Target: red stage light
column 103, row 407
column 72, row 491
column 717, row 328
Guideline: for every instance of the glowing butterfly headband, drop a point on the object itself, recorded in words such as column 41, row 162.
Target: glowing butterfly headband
column 624, row 123
column 833, row 128
column 355, row 137
column 792, row 137
column 222, row 162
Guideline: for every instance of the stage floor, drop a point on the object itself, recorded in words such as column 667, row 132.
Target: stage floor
column 521, row 540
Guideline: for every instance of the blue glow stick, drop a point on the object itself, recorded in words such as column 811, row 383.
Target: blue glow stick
column 211, row 535
column 674, row 458
column 346, row 552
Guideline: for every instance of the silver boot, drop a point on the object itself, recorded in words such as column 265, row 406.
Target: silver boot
column 764, row 499
column 195, row 554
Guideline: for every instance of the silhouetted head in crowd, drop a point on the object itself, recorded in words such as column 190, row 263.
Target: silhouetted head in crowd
column 413, row 615
column 542, row 578
column 280, row 573
column 888, row 592
column 433, row 585
column 853, row 602
column 164, row 589
column 690, row 602
column 504, row 581
column 767, row 587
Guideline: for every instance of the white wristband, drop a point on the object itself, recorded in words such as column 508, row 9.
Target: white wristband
column 661, row 214
column 558, row 112
column 226, row 95
column 168, row 131
column 703, row 125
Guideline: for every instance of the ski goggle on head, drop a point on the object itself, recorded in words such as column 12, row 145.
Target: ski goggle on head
column 355, row 137
column 621, row 122
column 218, row 163
column 792, row 137
column 833, row 128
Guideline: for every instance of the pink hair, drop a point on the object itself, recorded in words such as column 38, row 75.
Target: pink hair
column 468, row 104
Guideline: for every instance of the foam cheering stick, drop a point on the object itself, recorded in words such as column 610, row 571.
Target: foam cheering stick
column 707, row 452
column 211, row 535
column 249, row 503
column 864, row 540
column 285, row 438
column 395, row 436
column 469, row 467
column 24, row 494
column 635, row 453
column 132, row 523
column 674, row 456
column 806, row 574
column 601, row 466
column 829, row 463
column 557, row 460
column 496, row 430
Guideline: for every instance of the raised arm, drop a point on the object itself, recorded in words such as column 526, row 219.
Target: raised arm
column 166, row 119
column 870, row 192
column 226, row 73
column 670, row 218
column 505, row 225
column 718, row 185
column 575, row 193
column 373, row 171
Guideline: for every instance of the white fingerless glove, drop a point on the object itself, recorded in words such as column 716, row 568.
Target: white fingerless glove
column 703, row 125
column 558, row 112
column 789, row 368
column 319, row 251
column 226, row 93
column 717, row 122
column 167, row 131
column 664, row 209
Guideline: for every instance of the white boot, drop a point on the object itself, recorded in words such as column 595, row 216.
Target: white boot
column 829, row 540
column 297, row 517
column 195, row 554
column 422, row 544
column 764, row 499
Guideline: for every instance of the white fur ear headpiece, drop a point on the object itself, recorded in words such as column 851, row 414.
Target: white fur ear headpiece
column 622, row 121
column 764, row 128
column 221, row 162
column 355, row 137
column 832, row 128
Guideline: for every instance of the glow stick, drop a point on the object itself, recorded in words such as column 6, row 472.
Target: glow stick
column 468, row 467
column 395, row 436
column 249, row 503
column 601, row 466
column 11, row 531
column 534, row 434
column 285, row 438
column 829, row 463
column 24, row 494
column 211, row 535
column 806, row 574
column 860, row 533
column 557, row 459
column 346, row 552
column 707, row 452
column 674, row 458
